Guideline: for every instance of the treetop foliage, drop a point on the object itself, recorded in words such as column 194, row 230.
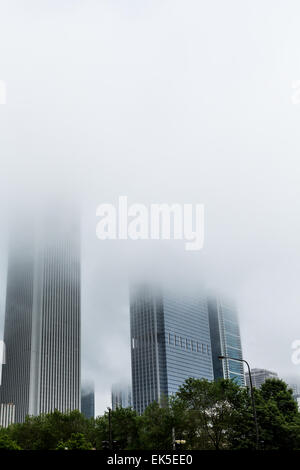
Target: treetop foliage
column 206, row 415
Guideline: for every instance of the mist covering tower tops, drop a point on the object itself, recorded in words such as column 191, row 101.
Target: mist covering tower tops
column 177, row 334
column 42, row 317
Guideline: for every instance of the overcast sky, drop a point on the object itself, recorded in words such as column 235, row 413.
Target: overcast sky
column 183, row 101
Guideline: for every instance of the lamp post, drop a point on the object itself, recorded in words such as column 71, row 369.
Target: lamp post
column 251, row 392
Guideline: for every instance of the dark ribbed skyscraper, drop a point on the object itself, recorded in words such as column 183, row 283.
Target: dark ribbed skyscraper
column 42, row 319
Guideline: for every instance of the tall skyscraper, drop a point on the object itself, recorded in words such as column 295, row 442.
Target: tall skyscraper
column 259, row 376
column 42, row 319
column 121, row 396
column 88, row 400
column 170, row 342
column 225, row 340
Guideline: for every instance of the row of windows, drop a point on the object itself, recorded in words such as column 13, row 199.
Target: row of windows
column 177, row 340
column 187, row 343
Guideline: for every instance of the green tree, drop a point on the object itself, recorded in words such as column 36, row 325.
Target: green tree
column 45, row 431
column 278, row 416
column 212, row 410
column 6, row 443
column 207, row 415
column 124, row 427
column 156, row 425
column 278, row 419
column 77, row 441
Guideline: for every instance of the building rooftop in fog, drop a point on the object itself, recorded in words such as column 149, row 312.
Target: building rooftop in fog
column 121, row 396
column 88, row 400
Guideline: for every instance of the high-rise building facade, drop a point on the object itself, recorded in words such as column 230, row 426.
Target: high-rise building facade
column 121, row 396
column 259, row 376
column 170, row 342
column 88, row 400
column 7, row 414
column 225, row 340
column 42, row 321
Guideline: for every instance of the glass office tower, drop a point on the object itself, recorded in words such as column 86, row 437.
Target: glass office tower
column 42, row 320
column 170, row 342
column 88, row 400
column 225, row 340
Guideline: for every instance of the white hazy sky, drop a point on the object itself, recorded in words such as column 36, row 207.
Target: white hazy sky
column 162, row 101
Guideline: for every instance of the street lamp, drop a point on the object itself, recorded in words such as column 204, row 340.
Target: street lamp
column 251, row 392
